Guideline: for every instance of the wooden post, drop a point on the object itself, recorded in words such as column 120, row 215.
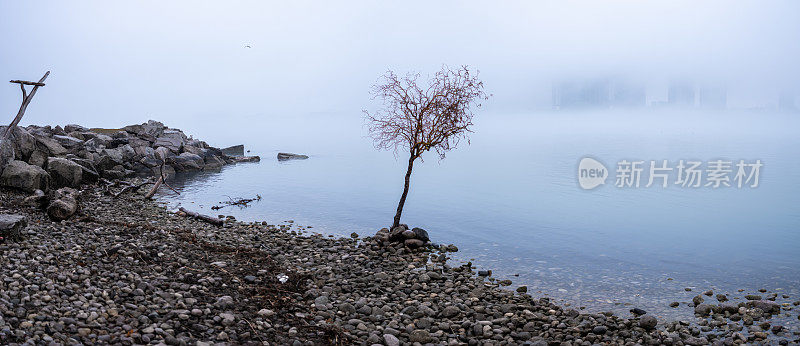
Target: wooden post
column 26, row 100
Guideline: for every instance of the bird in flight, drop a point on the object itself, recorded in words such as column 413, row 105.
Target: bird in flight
column 247, row 46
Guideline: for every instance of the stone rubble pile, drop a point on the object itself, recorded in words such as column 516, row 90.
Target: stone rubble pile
column 44, row 157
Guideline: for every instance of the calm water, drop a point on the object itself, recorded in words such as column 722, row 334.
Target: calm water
column 511, row 201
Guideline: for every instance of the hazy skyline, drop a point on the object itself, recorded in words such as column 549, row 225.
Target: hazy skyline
column 187, row 62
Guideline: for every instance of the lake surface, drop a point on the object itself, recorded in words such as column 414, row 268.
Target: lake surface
column 511, row 202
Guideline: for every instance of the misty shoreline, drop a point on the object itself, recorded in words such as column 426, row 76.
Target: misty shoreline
column 420, row 297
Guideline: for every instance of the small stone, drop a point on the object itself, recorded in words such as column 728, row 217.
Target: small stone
column 599, row 330
column 265, row 312
column 674, row 304
column 702, row 310
column 391, row 340
column 354, row 235
column 250, row 279
column 450, row 311
column 697, row 300
column 419, row 335
column 648, row 322
column 522, row 289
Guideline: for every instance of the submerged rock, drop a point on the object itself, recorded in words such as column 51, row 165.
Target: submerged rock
column 290, row 156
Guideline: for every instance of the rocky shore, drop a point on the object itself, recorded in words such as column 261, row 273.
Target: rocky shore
column 125, row 270
column 38, row 157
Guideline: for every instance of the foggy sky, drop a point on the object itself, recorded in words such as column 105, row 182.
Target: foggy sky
column 185, row 62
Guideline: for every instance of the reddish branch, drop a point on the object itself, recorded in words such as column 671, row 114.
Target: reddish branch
column 419, row 118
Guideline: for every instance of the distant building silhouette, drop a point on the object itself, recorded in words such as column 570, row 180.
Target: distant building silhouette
column 597, row 93
column 713, row 98
column 681, row 95
column 786, row 102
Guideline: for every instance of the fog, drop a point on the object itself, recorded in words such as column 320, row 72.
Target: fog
column 188, row 63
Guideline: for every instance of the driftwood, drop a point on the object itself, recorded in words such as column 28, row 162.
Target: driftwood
column 161, row 181
column 133, row 187
column 64, row 204
column 210, row 219
column 26, row 100
column 242, row 202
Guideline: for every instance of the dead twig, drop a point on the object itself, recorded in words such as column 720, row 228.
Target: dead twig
column 242, row 202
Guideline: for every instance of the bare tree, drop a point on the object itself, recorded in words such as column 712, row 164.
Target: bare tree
column 420, row 118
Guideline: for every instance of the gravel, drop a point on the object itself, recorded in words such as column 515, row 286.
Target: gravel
column 127, row 271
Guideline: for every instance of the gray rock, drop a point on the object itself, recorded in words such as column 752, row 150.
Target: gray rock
column 172, row 140
column 390, row 340
column 290, row 156
column 648, row 322
column 420, row 336
column 413, row 243
column 187, row 162
column 68, row 142
column 236, row 150
column 51, row 146
column 767, row 306
column 450, row 311
column 213, row 163
column 37, row 200
column 11, row 226
column 74, row 127
column 702, row 310
column 421, row 234
column 29, row 178
column 64, row 172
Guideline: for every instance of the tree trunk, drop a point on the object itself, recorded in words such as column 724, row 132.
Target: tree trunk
column 405, row 193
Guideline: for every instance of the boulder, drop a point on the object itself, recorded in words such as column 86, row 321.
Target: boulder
column 163, row 153
column 11, row 226
column 73, row 128
column 648, row 322
column 421, row 234
column 767, row 306
column 22, row 141
column 63, row 204
column 172, row 140
column 64, row 172
column 127, row 152
column 116, row 156
column 78, row 135
column 187, row 162
column 51, row 146
column 236, row 150
column 213, row 163
column 144, row 152
column 37, row 200
column 290, row 156
column 414, row 243
column 29, row 178
column 96, row 144
column 68, row 142
column 38, row 158
column 6, row 152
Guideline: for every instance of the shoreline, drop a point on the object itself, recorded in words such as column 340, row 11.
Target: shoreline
column 338, row 289
column 124, row 269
